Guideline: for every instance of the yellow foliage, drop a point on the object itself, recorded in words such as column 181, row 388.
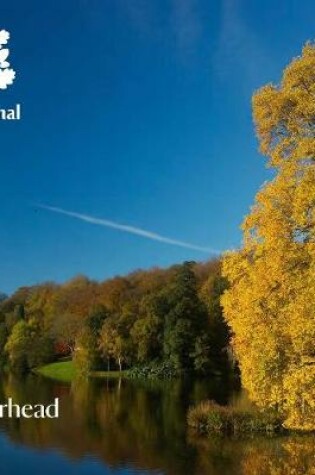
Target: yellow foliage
column 270, row 304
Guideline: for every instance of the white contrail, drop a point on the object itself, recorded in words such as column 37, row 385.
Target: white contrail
column 129, row 229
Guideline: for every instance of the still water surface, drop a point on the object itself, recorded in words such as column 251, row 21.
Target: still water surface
column 131, row 427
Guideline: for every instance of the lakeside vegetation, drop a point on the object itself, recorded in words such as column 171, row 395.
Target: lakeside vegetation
column 209, row 417
column 270, row 302
column 66, row 371
column 252, row 311
column 161, row 322
column 63, row 371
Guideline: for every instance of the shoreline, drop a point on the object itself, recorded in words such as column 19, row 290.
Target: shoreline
column 65, row 372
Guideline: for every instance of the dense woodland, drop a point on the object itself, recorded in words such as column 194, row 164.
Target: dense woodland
column 170, row 320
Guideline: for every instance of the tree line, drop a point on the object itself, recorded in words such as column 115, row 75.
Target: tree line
column 170, row 318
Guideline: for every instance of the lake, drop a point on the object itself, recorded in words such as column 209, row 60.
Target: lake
column 131, row 427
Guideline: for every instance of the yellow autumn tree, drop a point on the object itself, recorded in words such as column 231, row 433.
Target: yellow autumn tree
column 270, row 304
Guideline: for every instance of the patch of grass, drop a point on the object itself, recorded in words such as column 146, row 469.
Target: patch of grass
column 63, row 371
column 209, row 417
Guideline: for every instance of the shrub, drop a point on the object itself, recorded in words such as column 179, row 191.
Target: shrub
column 208, row 417
column 157, row 370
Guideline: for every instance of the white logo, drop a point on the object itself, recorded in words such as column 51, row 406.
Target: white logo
column 7, row 74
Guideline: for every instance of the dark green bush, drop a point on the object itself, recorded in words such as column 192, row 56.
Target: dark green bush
column 157, row 370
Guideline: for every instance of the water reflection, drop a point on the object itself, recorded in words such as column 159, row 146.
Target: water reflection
column 141, row 427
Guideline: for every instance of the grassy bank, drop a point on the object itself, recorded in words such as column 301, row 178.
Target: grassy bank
column 65, row 372
column 209, row 417
column 61, row 371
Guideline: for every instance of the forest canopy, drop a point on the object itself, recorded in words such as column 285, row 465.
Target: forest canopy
column 166, row 317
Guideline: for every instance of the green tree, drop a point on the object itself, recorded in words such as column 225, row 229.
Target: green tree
column 27, row 347
column 14, row 316
column 3, row 341
column 147, row 331
column 185, row 321
column 217, row 328
column 40, row 348
column 114, row 343
column 87, row 354
column 96, row 318
column 17, row 347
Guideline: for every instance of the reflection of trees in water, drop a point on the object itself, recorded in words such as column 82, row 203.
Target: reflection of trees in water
column 287, row 455
column 144, row 424
column 294, row 456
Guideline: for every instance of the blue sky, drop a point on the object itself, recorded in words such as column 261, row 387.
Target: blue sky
column 136, row 112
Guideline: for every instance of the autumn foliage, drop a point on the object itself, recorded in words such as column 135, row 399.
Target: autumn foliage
column 144, row 319
column 270, row 305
